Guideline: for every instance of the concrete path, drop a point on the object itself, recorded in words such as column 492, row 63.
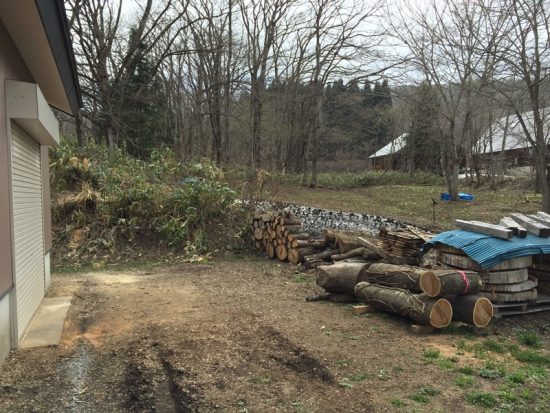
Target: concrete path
column 47, row 325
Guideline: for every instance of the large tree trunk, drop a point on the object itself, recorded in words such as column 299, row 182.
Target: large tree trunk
column 472, row 309
column 398, row 276
column 419, row 307
column 436, row 283
column 340, row 277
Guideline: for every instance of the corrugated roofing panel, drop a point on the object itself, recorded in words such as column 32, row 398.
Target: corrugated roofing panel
column 488, row 251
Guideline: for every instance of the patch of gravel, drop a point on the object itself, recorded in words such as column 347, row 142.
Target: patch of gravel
column 315, row 220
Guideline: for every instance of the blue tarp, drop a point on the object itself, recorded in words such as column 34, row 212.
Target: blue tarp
column 488, row 251
column 445, row 196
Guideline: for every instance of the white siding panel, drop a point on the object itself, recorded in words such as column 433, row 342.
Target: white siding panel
column 27, row 226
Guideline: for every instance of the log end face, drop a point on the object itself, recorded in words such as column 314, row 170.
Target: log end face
column 441, row 314
column 430, row 284
column 483, row 312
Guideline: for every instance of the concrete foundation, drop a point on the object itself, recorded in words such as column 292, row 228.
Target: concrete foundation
column 47, row 271
column 5, row 327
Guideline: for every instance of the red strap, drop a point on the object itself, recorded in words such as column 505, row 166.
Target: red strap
column 465, row 281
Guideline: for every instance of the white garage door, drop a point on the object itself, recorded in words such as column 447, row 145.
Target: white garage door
column 27, row 226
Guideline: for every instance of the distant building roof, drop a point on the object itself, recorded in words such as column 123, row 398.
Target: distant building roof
column 391, row 148
column 508, row 134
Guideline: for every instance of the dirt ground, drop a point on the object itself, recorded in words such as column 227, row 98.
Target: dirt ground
column 235, row 335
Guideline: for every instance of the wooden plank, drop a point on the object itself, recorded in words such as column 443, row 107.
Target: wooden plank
column 511, row 288
column 362, row 309
column 505, row 277
column 534, row 227
column 544, row 215
column 509, row 223
column 539, row 219
column 484, row 228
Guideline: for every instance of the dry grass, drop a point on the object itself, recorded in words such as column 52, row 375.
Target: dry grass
column 413, row 203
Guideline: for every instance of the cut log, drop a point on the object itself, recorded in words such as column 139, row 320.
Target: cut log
column 371, row 246
column 289, row 221
column 295, row 255
column 317, row 259
column 436, row 312
column 346, row 243
column 318, row 242
column 292, row 230
column 300, row 235
column 270, row 250
column 340, row 277
column 258, row 233
column 472, row 309
column 357, row 252
column 484, row 228
column 509, row 223
column 298, row 243
column 330, row 235
column 436, row 283
column 534, row 227
column 281, row 252
column 398, row 276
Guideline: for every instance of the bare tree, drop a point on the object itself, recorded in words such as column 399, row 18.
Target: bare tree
column 107, row 52
column 523, row 54
column 444, row 45
column 260, row 20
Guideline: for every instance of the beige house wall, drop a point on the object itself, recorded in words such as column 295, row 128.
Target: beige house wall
column 11, row 67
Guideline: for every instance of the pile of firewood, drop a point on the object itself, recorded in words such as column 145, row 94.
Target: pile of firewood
column 281, row 235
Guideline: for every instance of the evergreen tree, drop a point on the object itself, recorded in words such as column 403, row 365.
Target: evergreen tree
column 423, row 144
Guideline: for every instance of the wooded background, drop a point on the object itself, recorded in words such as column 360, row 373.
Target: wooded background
column 285, row 84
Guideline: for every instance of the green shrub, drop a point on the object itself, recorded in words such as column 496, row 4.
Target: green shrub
column 482, row 399
column 532, row 357
column 113, row 196
column 530, row 339
column 432, row 354
column 464, row 381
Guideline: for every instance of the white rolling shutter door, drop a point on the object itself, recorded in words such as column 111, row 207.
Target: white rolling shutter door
column 27, row 226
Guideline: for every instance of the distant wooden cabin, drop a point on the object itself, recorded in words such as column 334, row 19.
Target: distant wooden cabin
column 506, row 143
column 389, row 156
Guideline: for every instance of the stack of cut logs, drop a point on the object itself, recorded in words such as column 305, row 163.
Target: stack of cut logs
column 428, row 296
column 281, row 235
column 506, row 284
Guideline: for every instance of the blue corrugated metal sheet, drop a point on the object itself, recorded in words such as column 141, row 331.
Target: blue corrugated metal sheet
column 488, row 251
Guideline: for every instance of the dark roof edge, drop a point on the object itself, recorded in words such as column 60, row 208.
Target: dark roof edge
column 54, row 19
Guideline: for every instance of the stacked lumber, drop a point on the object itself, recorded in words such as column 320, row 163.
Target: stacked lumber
column 507, row 285
column 403, row 242
column 281, row 235
column 516, row 224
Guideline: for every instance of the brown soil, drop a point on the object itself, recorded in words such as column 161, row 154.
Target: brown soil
column 233, row 336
